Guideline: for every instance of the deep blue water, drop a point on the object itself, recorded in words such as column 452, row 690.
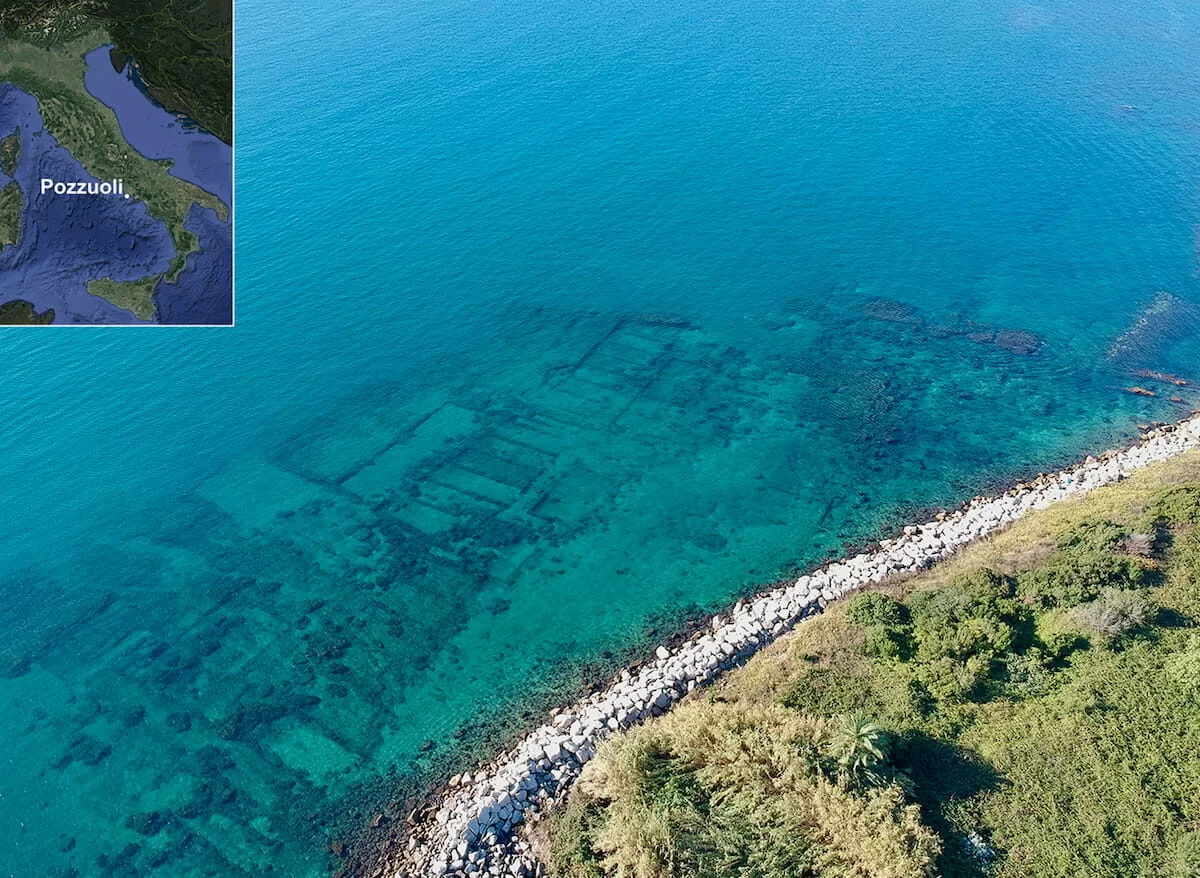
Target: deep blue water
column 554, row 323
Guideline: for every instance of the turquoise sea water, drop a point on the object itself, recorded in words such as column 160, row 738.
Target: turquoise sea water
column 555, row 324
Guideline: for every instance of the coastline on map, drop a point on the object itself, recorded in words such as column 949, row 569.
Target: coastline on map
column 197, row 156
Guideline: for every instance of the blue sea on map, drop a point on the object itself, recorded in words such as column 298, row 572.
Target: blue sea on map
column 558, row 325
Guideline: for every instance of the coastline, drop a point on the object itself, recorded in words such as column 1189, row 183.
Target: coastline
column 471, row 825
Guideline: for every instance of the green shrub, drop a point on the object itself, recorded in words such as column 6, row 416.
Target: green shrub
column 888, row 632
column 875, row 609
column 948, row 679
column 571, row 850
column 886, row 621
column 1183, row 860
column 1029, row 673
column 1184, row 665
column 1099, row 775
column 823, row 691
column 1177, row 506
column 1089, row 560
column 667, row 783
column 1070, row 582
column 1057, row 634
column 990, row 589
column 972, row 616
column 887, row 643
column 1182, row 585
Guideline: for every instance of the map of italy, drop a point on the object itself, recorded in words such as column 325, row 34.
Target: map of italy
column 115, row 165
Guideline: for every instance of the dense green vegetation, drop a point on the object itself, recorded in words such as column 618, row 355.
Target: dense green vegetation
column 1030, row 708
column 762, row 790
column 184, row 49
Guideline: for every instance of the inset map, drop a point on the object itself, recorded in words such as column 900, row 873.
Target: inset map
column 116, row 162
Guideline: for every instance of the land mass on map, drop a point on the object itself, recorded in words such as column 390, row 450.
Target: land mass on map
column 18, row 312
column 10, row 214
column 132, row 295
column 183, row 52
column 91, row 133
column 10, row 149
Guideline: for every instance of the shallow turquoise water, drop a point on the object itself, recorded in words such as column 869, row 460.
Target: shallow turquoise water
column 554, row 324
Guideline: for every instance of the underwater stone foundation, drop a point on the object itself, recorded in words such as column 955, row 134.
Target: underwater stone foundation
column 473, row 827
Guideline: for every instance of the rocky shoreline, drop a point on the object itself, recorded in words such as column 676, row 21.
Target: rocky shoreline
column 472, row 828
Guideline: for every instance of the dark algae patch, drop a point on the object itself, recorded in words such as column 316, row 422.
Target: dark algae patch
column 184, row 51
column 21, row 313
column 1016, row 341
column 1027, row 708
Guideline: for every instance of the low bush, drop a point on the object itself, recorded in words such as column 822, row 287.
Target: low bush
column 886, row 621
column 1177, row 506
column 875, row 609
column 1183, row 860
column 974, row 615
column 888, row 643
column 1090, row 559
column 1057, row 634
column 1029, row 673
column 1184, row 665
column 1114, row 614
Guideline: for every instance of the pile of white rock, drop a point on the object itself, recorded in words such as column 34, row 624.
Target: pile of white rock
column 474, row 831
